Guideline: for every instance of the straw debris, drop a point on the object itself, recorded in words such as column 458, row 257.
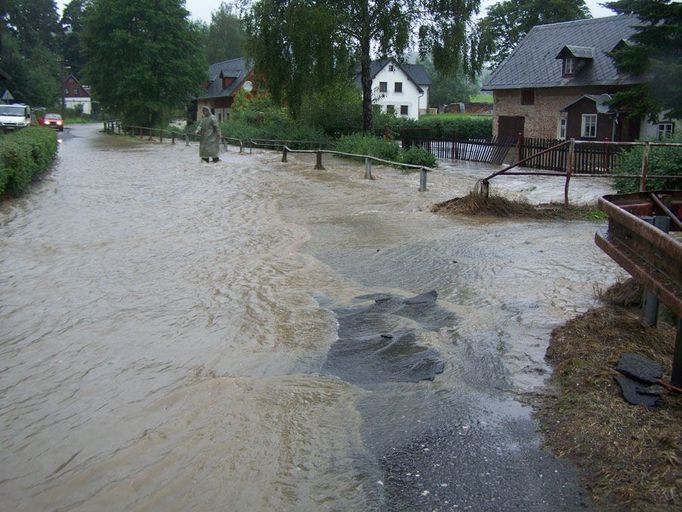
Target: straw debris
column 474, row 204
column 632, row 456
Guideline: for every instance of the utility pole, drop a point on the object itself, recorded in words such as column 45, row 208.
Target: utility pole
column 63, row 84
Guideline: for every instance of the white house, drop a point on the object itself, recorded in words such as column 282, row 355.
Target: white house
column 399, row 88
column 76, row 95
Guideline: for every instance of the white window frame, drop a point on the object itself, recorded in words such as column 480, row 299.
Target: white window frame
column 395, row 88
column 391, row 67
column 588, row 126
column 563, row 124
column 383, row 86
column 569, row 66
column 407, row 110
column 665, row 130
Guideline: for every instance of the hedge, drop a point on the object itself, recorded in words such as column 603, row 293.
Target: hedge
column 663, row 161
column 24, row 154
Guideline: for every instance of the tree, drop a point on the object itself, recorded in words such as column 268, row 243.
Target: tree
column 225, row 37
column 72, row 26
column 655, row 53
column 506, row 23
column 447, row 88
column 298, row 43
column 143, row 57
column 29, row 50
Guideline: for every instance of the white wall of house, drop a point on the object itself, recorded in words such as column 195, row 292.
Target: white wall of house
column 408, row 102
column 71, row 102
column 664, row 128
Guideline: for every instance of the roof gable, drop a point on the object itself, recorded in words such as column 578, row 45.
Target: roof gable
column 415, row 72
column 534, row 61
column 237, row 69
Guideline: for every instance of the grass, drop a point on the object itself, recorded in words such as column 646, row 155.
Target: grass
column 631, row 456
column 475, row 204
column 482, row 98
column 453, row 116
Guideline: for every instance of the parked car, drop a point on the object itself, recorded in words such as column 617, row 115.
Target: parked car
column 13, row 117
column 52, row 120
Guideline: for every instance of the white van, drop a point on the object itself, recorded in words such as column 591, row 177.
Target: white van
column 13, row 117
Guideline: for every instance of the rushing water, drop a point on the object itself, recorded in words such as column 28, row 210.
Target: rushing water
column 165, row 325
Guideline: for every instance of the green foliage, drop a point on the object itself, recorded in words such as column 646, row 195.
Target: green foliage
column 655, row 54
column 225, row 35
column 359, row 144
column 663, row 161
column 464, row 126
column 336, row 109
column 260, row 118
column 507, row 22
column 448, row 87
column 24, row 154
column 70, row 40
column 419, row 156
column 142, row 70
column 302, row 45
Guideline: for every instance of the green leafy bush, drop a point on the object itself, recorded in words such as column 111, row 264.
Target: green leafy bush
column 335, row 109
column 24, row 154
column 369, row 145
column 465, row 126
column 419, row 156
column 663, row 161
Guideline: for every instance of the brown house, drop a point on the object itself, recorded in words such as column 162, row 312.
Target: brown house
column 226, row 79
column 558, row 81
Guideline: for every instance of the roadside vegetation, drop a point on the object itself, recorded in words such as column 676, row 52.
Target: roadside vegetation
column 663, row 161
column 23, row 155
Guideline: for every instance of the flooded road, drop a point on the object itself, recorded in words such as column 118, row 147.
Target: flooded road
column 168, row 329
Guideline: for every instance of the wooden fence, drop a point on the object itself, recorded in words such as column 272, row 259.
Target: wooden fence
column 589, row 158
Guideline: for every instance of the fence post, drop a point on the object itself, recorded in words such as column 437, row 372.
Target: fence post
column 318, row 161
column 284, row 154
column 172, row 137
column 422, row 180
column 368, row 169
column 645, row 167
column 676, row 373
column 569, row 169
column 186, row 139
column 241, row 146
column 454, row 145
column 519, row 147
column 160, row 137
column 650, row 299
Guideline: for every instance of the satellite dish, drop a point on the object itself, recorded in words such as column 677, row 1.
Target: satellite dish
column 248, row 86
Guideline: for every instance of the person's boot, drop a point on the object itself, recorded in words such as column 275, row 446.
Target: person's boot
column 216, row 159
column 205, row 159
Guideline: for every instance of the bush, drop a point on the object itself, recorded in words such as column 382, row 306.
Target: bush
column 369, row 145
column 336, row 110
column 663, row 161
column 419, row 156
column 465, row 126
column 23, row 155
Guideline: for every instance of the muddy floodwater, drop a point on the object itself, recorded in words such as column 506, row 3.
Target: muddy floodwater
column 254, row 335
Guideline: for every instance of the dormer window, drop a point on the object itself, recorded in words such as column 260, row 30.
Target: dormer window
column 227, row 81
column 569, row 66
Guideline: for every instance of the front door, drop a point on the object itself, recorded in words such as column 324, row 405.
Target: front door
column 510, row 127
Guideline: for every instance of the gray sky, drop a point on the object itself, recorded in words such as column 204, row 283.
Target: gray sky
column 201, row 9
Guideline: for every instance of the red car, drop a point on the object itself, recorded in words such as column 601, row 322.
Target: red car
column 53, row 121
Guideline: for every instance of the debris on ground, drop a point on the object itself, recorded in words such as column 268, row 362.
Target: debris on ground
column 631, row 455
column 475, row 204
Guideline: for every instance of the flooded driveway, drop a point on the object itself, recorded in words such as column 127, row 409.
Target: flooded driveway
column 187, row 336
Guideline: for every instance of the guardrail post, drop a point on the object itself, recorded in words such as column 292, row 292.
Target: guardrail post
column 645, row 167
column 422, row 180
column 172, row 137
column 187, row 139
column 284, row 154
column 160, row 137
column 318, row 161
column 241, row 146
column 368, row 169
column 569, row 169
column 650, row 300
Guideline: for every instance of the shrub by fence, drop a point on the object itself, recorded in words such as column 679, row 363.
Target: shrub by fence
column 24, row 154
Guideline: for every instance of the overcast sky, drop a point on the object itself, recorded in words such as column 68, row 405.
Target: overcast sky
column 201, row 9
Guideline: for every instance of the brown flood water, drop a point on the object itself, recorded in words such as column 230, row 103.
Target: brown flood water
column 165, row 324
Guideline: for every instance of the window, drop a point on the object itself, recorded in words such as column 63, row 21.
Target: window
column 383, row 86
column 391, row 67
column 665, row 130
column 390, row 109
column 527, row 96
column 588, row 126
column 569, row 66
column 403, row 110
column 227, row 81
column 562, row 128
column 398, row 87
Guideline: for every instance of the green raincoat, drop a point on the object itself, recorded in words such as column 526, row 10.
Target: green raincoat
column 209, row 131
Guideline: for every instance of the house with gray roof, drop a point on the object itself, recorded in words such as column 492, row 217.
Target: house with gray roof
column 558, row 81
column 402, row 89
column 225, row 80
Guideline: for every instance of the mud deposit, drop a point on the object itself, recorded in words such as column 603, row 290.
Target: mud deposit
column 257, row 335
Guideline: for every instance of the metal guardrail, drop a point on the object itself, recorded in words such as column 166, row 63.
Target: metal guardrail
column 115, row 126
column 638, row 240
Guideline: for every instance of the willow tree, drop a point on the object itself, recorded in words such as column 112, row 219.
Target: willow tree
column 304, row 44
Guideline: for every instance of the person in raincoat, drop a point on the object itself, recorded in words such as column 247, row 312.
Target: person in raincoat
column 209, row 133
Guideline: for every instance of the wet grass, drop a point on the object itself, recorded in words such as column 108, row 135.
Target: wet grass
column 474, row 204
column 632, row 456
